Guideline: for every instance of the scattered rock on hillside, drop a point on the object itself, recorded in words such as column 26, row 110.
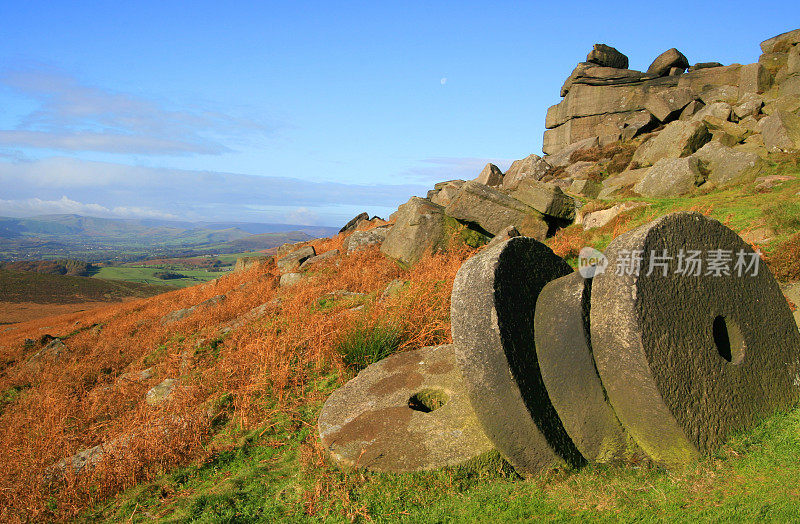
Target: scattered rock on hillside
column 295, row 258
column 595, row 219
column 562, row 158
column 393, row 288
column 444, row 192
column 704, row 65
column 781, row 129
column 671, row 177
column 724, row 93
column 290, row 279
column 509, row 232
column 362, row 239
column 138, row 376
column 614, row 184
column 545, row 198
column 749, row 105
column 319, row 258
column 636, row 124
column 667, row 105
column 781, row 43
column 490, row 176
column 721, row 110
column 691, row 109
column 678, row 139
column 245, row 263
column 419, row 229
column 53, row 348
column 81, row 461
column 607, row 56
column 160, row 393
column 493, row 211
column 727, row 166
column 284, row 249
column 671, row 58
column 531, row 166
column 588, row 188
column 354, row 222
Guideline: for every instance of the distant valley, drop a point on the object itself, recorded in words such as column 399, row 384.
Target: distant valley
column 105, row 239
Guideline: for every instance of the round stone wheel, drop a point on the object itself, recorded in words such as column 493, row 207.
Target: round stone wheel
column 564, row 352
column 686, row 360
column 493, row 305
column 408, row 412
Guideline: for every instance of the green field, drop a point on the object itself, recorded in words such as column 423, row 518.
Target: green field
column 146, row 275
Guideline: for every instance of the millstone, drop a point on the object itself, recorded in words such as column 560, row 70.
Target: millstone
column 686, row 360
column 564, row 352
column 493, row 303
column 408, row 412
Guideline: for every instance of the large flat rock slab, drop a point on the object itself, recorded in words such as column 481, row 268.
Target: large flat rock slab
column 382, row 419
column 564, row 352
column 493, row 305
column 687, row 357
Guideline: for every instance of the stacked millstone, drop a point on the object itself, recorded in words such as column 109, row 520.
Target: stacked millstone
column 650, row 362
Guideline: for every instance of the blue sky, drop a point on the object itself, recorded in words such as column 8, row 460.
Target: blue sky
column 304, row 112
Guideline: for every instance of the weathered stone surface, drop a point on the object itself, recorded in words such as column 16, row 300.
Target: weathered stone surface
column 419, row 229
column 445, row 192
column 490, row 176
column 180, row 314
column 509, row 232
column 728, row 166
column 671, row 177
column 636, row 124
column 290, row 279
column 704, row 65
column 754, row 78
column 749, row 105
column 691, row 109
column 793, row 61
column 564, row 352
column 773, row 62
column 678, row 139
column 703, row 80
column 721, row 110
column 562, row 159
column 288, row 248
column 614, row 184
column 592, row 74
column 382, row 420
column 667, row 105
column 363, row 239
column 792, row 294
column 493, row 305
column 666, row 61
column 160, row 393
column 546, row 199
column 532, row 166
column 686, row 360
column 354, row 222
column 781, row 129
column 586, row 187
column 295, row 258
column 587, row 100
column 727, row 94
column 600, row 218
column 607, row 56
column 319, row 258
column 781, row 43
column 493, row 211
column 580, row 170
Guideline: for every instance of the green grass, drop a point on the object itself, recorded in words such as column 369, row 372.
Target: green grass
column 362, row 346
column 264, row 475
column 147, row 275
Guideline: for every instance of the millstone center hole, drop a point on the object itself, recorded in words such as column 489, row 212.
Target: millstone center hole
column 728, row 339
column 428, row 400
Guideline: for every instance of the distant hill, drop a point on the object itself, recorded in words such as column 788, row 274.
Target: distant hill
column 76, row 268
column 99, row 239
column 42, row 288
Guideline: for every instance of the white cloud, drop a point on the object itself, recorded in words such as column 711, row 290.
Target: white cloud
column 65, row 205
column 76, row 117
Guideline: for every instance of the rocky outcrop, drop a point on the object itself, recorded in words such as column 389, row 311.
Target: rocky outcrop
column 671, row 177
column 493, row 211
column 490, row 176
column 677, row 140
column 532, row 166
column 419, row 229
column 613, row 103
column 607, row 56
column 362, row 239
column 354, row 222
column 295, row 258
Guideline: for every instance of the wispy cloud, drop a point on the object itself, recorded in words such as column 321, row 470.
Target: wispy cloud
column 203, row 195
column 64, row 205
column 72, row 116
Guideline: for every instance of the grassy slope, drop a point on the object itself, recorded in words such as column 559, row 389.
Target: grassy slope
column 146, row 275
column 26, row 286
